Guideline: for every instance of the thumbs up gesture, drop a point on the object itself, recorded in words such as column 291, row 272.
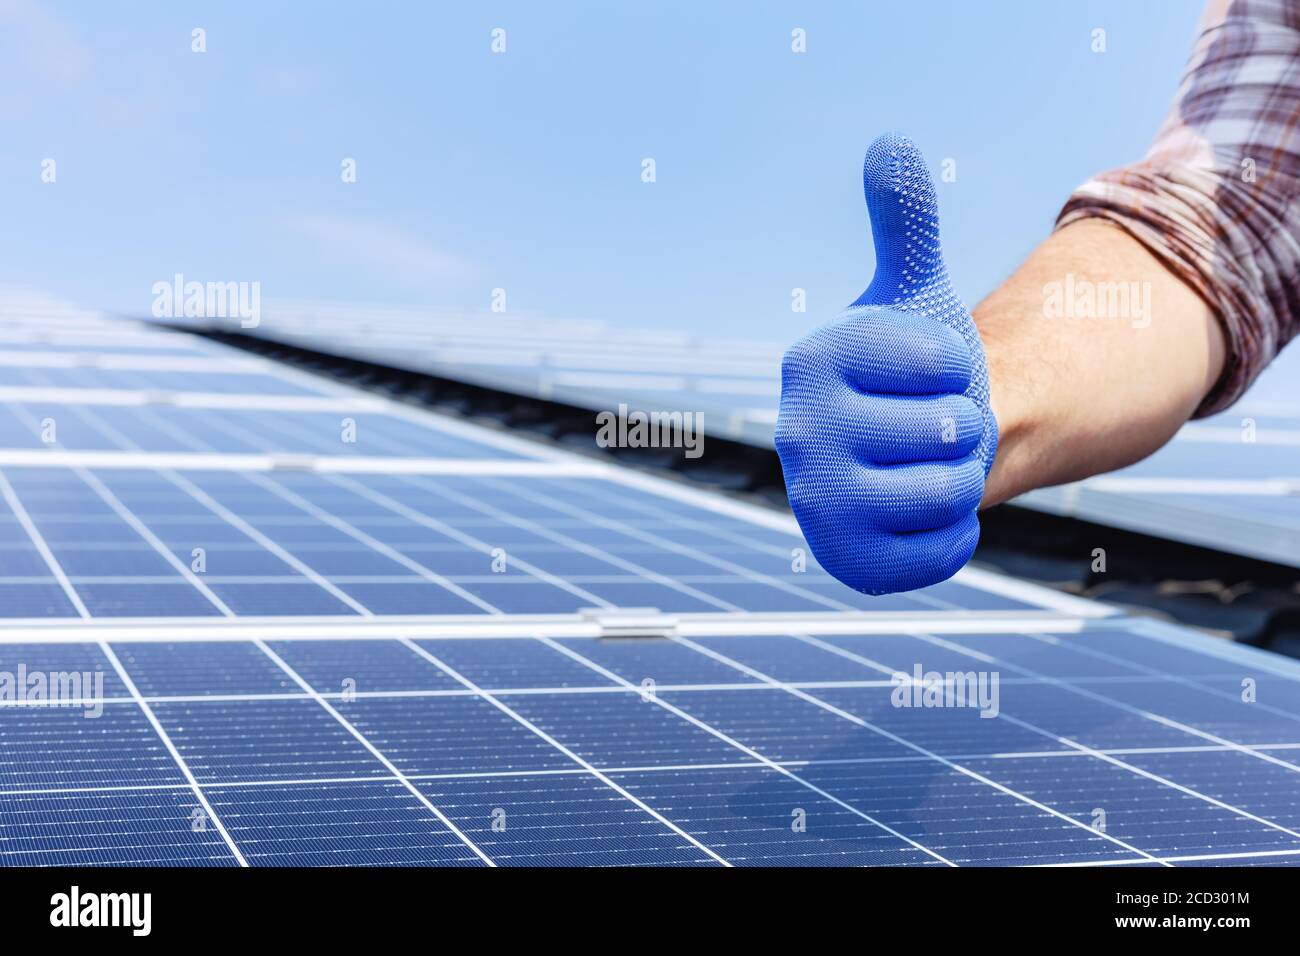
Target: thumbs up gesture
column 885, row 432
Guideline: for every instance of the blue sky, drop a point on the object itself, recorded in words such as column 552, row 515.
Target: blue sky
column 522, row 170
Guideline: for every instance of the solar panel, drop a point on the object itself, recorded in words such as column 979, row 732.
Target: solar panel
column 444, row 645
column 586, row 363
column 1230, row 482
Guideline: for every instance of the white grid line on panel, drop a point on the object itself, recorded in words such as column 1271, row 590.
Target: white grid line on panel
column 749, row 751
column 890, row 735
column 639, row 768
column 374, row 751
column 47, row 555
column 491, row 698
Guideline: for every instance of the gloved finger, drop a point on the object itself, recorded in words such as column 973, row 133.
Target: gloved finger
column 881, row 351
column 887, row 430
column 922, row 558
column 919, row 497
column 885, row 563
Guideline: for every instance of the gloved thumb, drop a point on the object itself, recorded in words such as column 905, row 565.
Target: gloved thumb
column 904, row 223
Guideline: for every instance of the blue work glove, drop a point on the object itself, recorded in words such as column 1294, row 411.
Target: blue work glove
column 885, row 432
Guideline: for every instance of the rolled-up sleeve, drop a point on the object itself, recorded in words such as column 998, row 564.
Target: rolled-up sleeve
column 1215, row 197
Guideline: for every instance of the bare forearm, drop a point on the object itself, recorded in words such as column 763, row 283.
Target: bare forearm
column 1097, row 354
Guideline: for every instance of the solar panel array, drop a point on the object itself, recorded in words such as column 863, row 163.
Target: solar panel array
column 587, row 363
column 1230, row 482
column 251, row 617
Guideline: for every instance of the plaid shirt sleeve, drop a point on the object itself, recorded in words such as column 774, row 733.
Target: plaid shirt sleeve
column 1215, row 197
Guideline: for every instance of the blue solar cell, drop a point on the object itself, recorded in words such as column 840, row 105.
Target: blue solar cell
column 54, row 660
column 663, row 662
column 748, row 816
column 901, row 652
column 567, row 564
column 342, row 433
column 1265, row 858
column 790, row 660
column 913, row 601
column 199, row 668
column 233, row 560
column 495, row 533
column 165, row 827
column 631, row 592
column 952, row 732
column 782, row 727
column 748, row 595
column 961, row 596
column 370, row 666
column 64, row 533
column 1162, row 657
column 81, row 746
column 498, row 663
column 1092, row 722
column 964, row 820
column 558, row 820
column 134, row 561
column 1047, row 656
column 409, row 596
column 452, row 560
column 70, row 429
column 258, row 740
column 337, row 824
column 144, row 599
column 1239, row 779
column 676, row 565
column 20, row 561
column 35, row 599
column 1144, row 813
column 294, row 532
column 282, row 597
column 183, row 534
column 11, row 532
column 622, row 730
column 428, row 735
column 1278, row 695
column 1223, row 715
column 350, row 558
column 523, row 596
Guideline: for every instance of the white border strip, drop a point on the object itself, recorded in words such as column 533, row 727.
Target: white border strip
column 1269, row 487
column 345, row 464
column 134, row 362
column 474, row 627
column 131, row 396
